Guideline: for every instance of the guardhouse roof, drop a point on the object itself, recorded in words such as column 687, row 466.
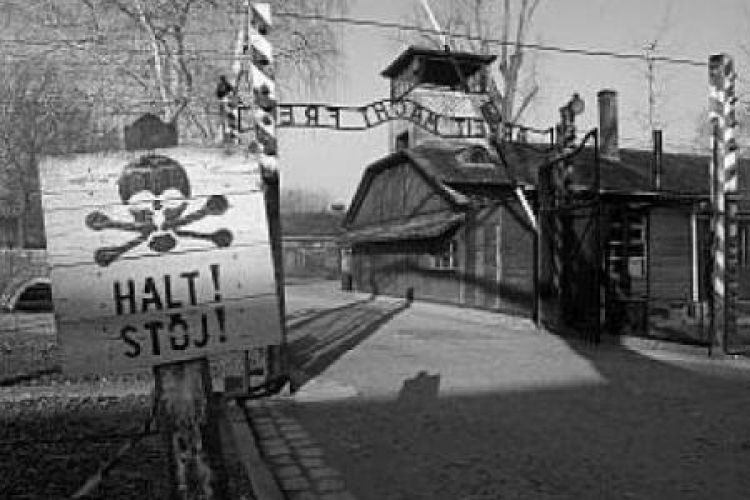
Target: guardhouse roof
column 437, row 66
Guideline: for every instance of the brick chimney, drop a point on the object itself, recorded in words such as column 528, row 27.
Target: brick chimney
column 608, row 136
column 656, row 173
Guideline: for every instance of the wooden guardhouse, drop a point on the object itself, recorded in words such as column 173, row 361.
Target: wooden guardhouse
column 438, row 220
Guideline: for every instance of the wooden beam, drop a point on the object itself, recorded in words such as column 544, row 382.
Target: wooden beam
column 526, row 208
column 276, row 357
column 189, row 423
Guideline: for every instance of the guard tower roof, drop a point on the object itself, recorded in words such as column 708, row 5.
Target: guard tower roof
column 436, row 64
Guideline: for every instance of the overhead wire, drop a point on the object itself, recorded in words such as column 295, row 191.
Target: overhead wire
column 351, row 21
column 531, row 46
column 217, row 54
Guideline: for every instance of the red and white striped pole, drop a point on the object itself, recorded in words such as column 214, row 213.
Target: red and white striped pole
column 264, row 86
column 724, row 184
column 264, row 143
column 230, row 101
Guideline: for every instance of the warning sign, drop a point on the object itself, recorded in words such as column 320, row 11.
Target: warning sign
column 157, row 257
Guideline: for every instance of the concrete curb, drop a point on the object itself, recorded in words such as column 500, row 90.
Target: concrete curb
column 248, row 451
column 688, row 350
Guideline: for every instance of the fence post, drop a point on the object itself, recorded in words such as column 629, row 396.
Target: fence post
column 724, row 206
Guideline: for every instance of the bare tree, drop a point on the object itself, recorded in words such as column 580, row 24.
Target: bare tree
column 165, row 56
column 494, row 27
column 75, row 71
column 657, row 76
column 701, row 142
column 41, row 113
column 703, row 128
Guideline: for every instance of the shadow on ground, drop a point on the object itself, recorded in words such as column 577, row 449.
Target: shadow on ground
column 586, row 422
column 321, row 337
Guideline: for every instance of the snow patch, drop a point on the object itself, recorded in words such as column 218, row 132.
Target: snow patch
column 324, row 390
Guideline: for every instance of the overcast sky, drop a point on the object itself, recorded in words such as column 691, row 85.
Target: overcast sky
column 692, row 29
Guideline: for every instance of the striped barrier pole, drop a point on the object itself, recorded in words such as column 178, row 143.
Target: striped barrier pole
column 271, row 359
column 228, row 95
column 264, row 86
column 723, row 170
column 230, row 106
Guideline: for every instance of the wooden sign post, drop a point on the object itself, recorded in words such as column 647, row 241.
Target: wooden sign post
column 161, row 259
column 188, row 419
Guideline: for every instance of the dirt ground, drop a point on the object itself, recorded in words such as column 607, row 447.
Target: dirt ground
column 52, row 444
column 56, row 431
column 441, row 403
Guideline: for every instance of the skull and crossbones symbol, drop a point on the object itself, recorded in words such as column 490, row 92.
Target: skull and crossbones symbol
column 156, row 189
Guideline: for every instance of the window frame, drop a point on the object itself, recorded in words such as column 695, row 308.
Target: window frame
column 626, row 249
column 446, row 258
column 402, row 141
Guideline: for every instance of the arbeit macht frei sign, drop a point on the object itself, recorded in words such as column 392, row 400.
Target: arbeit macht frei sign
column 157, row 256
column 371, row 115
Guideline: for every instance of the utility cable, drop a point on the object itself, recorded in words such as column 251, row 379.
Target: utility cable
column 351, row 21
column 495, row 41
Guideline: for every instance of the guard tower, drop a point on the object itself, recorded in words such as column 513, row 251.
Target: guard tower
column 435, row 79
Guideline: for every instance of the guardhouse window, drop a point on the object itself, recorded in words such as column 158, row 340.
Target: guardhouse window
column 627, row 250
column 402, row 141
column 446, row 257
column 9, row 233
column 743, row 250
column 704, row 259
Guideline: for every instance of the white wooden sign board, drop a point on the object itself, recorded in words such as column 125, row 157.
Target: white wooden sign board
column 157, row 256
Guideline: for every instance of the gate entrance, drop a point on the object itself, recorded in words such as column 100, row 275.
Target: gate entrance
column 570, row 256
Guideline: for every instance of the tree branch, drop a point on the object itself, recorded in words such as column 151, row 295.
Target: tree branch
column 149, row 29
column 124, row 69
column 505, row 16
column 525, row 102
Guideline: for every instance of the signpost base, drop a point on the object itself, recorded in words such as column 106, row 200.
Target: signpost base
column 189, row 423
column 276, row 354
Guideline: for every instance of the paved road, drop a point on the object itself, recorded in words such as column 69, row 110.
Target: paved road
column 442, row 403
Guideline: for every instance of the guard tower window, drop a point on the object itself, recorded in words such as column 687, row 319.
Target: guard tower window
column 474, row 155
column 437, row 69
column 402, row 141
